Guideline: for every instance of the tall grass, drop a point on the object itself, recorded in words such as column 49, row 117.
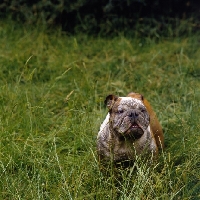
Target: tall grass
column 52, row 89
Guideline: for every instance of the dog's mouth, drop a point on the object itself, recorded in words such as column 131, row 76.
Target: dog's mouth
column 135, row 125
column 134, row 131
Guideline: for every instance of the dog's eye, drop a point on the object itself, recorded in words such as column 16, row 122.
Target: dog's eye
column 120, row 111
column 143, row 110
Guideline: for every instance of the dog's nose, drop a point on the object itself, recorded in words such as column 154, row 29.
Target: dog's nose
column 133, row 114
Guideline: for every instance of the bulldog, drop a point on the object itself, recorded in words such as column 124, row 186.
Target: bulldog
column 130, row 128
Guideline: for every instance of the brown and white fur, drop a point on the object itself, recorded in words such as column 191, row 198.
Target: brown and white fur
column 130, row 128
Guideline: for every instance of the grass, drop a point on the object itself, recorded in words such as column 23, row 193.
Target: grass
column 52, row 89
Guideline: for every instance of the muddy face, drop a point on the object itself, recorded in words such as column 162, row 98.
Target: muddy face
column 129, row 117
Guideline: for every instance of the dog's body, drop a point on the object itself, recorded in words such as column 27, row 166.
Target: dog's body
column 130, row 127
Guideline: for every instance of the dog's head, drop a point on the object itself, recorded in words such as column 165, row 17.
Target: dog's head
column 128, row 115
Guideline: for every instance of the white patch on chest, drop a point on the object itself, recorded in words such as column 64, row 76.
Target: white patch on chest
column 104, row 124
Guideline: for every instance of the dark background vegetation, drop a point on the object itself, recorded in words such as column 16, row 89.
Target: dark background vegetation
column 105, row 16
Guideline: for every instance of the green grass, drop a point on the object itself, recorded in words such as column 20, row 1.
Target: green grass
column 52, row 89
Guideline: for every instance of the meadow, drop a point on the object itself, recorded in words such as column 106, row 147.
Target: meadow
column 52, row 89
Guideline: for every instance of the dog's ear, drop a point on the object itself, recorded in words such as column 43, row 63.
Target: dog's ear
column 136, row 96
column 110, row 100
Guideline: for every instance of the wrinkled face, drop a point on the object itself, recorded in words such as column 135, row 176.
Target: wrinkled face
column 129, row 117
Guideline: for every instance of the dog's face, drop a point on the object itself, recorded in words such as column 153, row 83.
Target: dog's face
column 128, row 116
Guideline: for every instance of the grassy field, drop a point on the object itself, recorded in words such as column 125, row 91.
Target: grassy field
column 52, row 88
